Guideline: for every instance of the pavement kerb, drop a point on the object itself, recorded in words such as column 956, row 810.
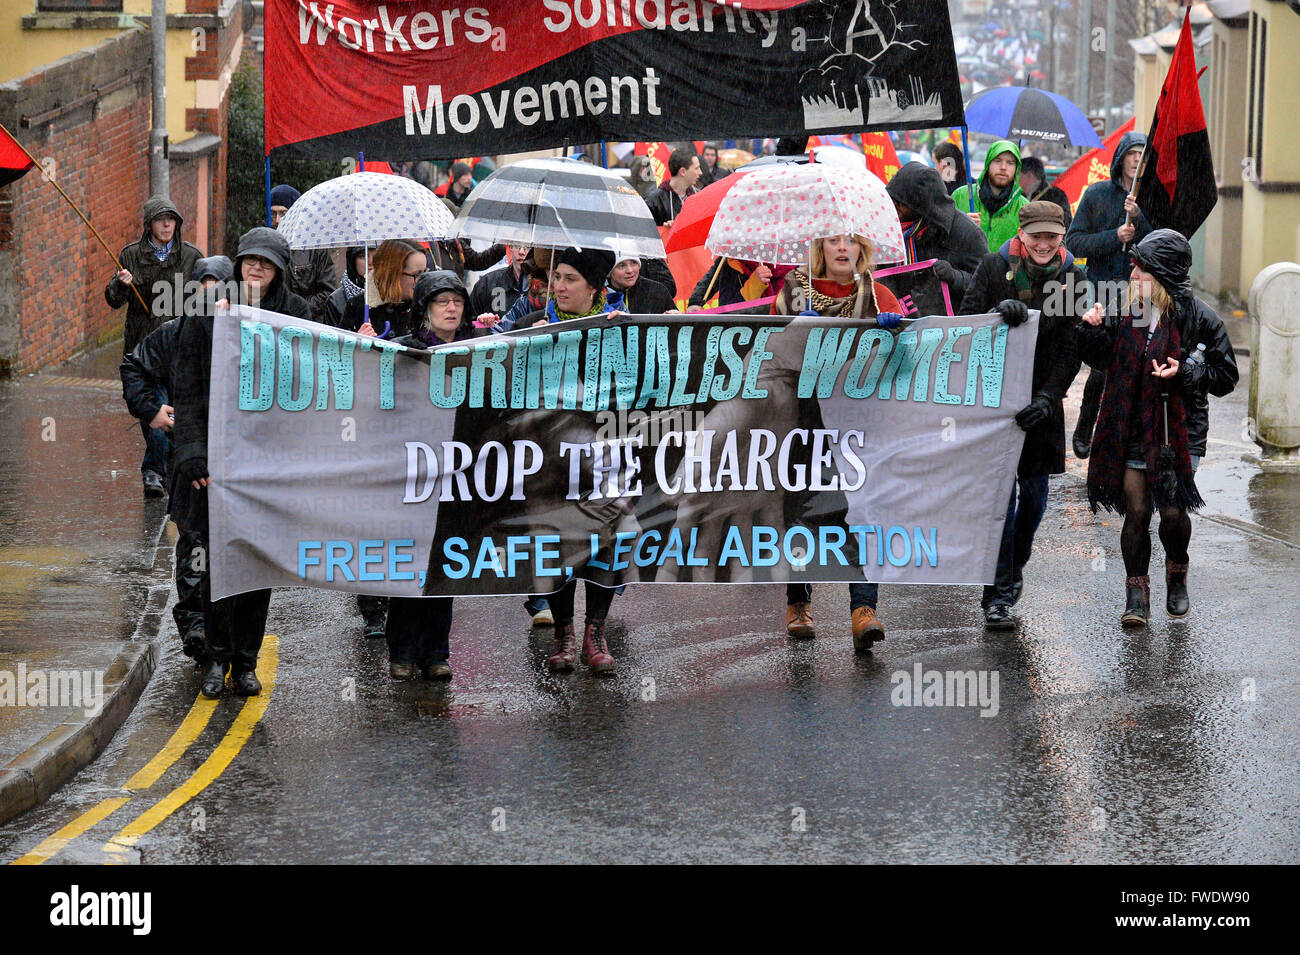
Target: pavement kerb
column 34, row 775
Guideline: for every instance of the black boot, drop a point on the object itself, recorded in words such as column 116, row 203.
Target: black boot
column 245, row 683
column 1176, row 601
column 1137, row 609
column 214, row 680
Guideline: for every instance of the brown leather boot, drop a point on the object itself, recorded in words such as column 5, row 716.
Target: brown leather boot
column 565, row 649
column 867, row 629
column 1176, row 599
column 1137, row 610
column 799, row 621
column 595, row 654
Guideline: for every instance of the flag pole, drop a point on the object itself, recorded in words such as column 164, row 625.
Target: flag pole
column 75, row 208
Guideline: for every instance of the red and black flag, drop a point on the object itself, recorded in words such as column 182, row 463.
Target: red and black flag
column 1177, row 189
column 14, row 161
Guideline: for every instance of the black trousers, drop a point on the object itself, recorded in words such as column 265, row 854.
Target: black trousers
column 598, row 602
column 235, row 626
column 188, row 611
column 371, row 606
column 419, row 630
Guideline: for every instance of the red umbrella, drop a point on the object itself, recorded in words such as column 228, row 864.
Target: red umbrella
column 691, row 227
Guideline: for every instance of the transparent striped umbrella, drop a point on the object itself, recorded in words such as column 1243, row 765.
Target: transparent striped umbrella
column 558, row 203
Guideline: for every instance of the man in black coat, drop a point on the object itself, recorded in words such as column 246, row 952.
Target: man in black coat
column 498, row 290
column 157, row 266
column 146, row 374
column 665, row 201
column 234, row 625
column 1033, row 183
column 934, row 229
column 1107, row 222
column 311, row 274
column 1033, row 270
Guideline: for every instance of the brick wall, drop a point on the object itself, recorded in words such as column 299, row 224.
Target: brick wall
column 52, row 270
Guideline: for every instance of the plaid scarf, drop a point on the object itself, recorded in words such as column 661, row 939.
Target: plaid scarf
column 1132, row 390
column 1026, row 274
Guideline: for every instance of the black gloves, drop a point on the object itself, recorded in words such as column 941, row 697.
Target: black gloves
column 1013, row 313
column 1034, row 413
column 195, row 469
column 944, row 272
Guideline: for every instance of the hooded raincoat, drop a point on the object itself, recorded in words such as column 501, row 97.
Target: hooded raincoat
column 146, row 270
column 942, row 232
column 1092, row 235
column 1000, row 225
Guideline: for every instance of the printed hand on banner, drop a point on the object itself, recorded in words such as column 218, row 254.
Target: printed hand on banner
column 712, row 515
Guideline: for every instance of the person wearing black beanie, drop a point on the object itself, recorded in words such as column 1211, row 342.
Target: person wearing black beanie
column 311, row 273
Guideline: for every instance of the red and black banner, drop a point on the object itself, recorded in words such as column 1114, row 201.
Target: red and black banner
column 1177, row 188
column 427, row 79
column 14, row 161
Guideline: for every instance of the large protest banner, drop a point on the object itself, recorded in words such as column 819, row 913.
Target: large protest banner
column 417, row 79
column 665, row 448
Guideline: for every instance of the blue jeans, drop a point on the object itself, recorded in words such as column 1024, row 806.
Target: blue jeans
column 1024, row 513
column 860, row 594
column 155, row 442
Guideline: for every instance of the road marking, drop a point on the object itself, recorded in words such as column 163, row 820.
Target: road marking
column 51, row 846
column 216, row 764
column 195, row 722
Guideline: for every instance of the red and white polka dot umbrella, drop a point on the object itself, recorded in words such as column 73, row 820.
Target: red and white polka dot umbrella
column 773, row 215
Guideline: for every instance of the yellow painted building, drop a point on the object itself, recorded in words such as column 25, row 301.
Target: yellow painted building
column 35, row 33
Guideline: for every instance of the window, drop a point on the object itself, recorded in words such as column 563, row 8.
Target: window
column 1255, row 97
column 78, row 6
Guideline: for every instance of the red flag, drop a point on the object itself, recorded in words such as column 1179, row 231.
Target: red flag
column 1092, row 166
column 1177, row 189
column 658, row 154
column 881, row 156
column 14, row 161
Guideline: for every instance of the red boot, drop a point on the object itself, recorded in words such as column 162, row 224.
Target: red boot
column 566, row 649
column 594, row 652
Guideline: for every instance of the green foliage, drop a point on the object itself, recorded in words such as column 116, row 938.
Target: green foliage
column 245, row 168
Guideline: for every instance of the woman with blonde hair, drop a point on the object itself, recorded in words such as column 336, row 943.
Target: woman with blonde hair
column 1163, row 357
column 389, row 289
column 841, row 286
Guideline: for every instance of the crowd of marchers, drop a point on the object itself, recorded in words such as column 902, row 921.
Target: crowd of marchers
column 1156, row 354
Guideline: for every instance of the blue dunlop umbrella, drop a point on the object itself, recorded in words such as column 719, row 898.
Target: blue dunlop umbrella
column 1019, row 112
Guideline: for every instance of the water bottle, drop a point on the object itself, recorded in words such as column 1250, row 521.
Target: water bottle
column 1197, row 357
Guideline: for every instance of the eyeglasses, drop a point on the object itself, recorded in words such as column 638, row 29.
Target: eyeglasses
column 415, row 275
column 445, row 300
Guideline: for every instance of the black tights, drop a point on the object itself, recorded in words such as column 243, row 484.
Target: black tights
column 1135, row 538
column 598, row 600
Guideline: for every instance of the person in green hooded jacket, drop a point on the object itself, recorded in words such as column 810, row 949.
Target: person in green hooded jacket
column 996, row 204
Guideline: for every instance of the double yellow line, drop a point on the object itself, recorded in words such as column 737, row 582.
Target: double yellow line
column 194, row 723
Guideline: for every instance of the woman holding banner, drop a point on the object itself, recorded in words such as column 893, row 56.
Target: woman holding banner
column 842, row 286
column 1032, row 270
column 419, row 628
